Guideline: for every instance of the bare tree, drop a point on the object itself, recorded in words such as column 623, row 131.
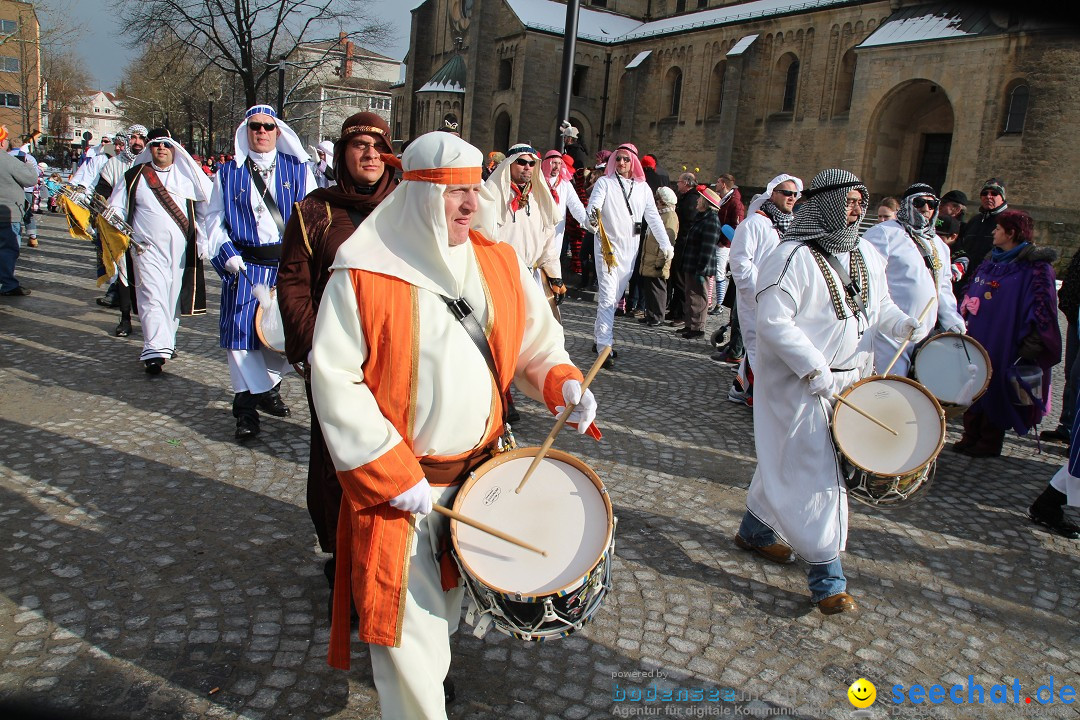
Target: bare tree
column 247, row 39
column 68, row 82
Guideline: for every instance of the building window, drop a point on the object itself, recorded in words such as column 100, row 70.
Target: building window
column 680, row 6
column 506, row 73
column 845, row 83
column 674, row 87
column 10, row 100
column 581, row 74
column 599, row 3
column 785, row 83
column 379, row 103
column 97, row 111
column 702, row 4
column 8, row 27
column 108, row 111
column 1017, row 109
column 9, row 64
column 716, row 89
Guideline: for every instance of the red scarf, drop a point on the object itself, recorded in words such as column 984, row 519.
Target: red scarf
column 521, row 197
column 555, row 188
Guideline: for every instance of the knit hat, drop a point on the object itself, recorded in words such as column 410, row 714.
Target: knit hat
column 996, row 185
column 666, row 196
column 648, row 162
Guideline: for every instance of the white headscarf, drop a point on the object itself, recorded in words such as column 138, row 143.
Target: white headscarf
column 287, row 141
column 759, row 200
column 540, row 194
column 406, row 235
column 192, row 182
column 327, row 148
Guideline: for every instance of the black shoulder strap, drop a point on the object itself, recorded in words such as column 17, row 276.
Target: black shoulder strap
column 851, row 287
column 463, row 311
column 267, row 197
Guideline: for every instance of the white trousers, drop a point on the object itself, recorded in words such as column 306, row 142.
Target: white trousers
column 159, row 274
column 1066, row 483
column 409, row 678
column 611, row 285
column 256, row 371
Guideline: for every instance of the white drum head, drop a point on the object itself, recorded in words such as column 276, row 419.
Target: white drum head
column 905, row 407
column 941, row 364
column 560, row 510
column 268, row 324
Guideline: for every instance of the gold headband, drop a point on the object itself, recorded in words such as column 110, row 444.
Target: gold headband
column 354, row 129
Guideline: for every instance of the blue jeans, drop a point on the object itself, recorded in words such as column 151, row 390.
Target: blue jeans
column 824, row 579
column 9, row 254
column 29, row 218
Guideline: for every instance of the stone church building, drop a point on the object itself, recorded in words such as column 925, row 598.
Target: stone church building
column 947, row 92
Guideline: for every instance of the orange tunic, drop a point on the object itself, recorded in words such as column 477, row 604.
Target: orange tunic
column 373, row 541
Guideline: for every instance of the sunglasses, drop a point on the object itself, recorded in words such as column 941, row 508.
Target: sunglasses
column 787, row 193
column 256, row 126
column 158, row 144
column 524, row 163
column 920, row 203
column 994, row 193
column 622, row 159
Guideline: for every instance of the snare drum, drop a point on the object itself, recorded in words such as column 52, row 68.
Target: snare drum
column 268, row 325
column 564, row 510
column 943, row 365
column 882, row 469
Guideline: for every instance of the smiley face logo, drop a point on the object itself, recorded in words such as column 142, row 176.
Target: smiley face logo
column 862, row 693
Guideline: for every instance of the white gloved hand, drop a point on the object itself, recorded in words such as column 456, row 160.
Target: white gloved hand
column 668, row 252
column 958, row 328
column 584, row 405
column 416, row 499
column 235, row 264
column 909, row 326
column 821, row 383
column 201, row 251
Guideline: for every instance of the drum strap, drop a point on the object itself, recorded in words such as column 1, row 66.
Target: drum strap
column 463, row 311
column 851, row 287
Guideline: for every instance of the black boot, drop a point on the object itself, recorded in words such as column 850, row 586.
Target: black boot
column 124, row 328
column 1047, row 511
column 245, row 410
column 109, row 299
column 271, row 402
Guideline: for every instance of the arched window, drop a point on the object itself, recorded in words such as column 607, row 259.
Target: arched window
column 791, row 86
column 716, row 90
column 673, row 85
column 1016, row 110
column 845, row 83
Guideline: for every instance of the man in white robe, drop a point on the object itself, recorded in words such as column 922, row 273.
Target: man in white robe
column 561, row 183
column 767, row 218
column 129, row 145
column 626, row 206
column 164, row 197
column 394, row 437
column 813, row 343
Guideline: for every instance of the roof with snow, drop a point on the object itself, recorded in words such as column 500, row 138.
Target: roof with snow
column 610, row 28
column 937, row 21
column 450, row 78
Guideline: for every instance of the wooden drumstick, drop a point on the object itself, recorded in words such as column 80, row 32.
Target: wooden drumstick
column 903, row 345
column 486, row 528
column 865, row 414
column 562, row 418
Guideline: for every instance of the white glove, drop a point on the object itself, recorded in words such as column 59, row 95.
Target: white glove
column 235, row 264
column 958, row 328
column 201, row 251
column 416, row 499
column 584, row 405
column 668, row 252
column 909, row 326
column 821, row 383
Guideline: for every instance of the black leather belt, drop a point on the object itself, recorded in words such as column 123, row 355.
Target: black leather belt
column 262, row 254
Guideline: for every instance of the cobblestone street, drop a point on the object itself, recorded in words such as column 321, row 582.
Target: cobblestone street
column 152, row 567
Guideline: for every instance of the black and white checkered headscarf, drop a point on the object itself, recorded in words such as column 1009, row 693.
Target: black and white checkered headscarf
column 913, row 220
column 823, row 217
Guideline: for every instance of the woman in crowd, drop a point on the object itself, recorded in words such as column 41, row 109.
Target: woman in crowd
column 654, row 268
column 1011, row 308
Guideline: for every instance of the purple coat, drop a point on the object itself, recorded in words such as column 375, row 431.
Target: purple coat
column 1011, row 308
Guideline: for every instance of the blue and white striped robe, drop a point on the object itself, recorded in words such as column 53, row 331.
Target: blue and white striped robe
column 238, row 303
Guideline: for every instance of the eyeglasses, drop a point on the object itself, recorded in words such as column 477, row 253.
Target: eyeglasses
column 852, row 202
column 256, row 126
column 993, row 193
column 524, row 163
column 920, row 203
column 787, row 193
column 158, row 144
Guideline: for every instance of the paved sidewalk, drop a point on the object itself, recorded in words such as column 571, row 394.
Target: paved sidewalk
column 153, row 568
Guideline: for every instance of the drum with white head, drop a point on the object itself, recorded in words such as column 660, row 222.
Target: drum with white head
column 882, row 469
column 955, row 368
column 565, row 511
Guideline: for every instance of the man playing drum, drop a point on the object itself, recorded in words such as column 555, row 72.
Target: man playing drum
column 252, row 200
column 814, row 328
column 409, row 404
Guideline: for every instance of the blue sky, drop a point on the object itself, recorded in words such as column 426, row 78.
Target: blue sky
column 106, row 56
